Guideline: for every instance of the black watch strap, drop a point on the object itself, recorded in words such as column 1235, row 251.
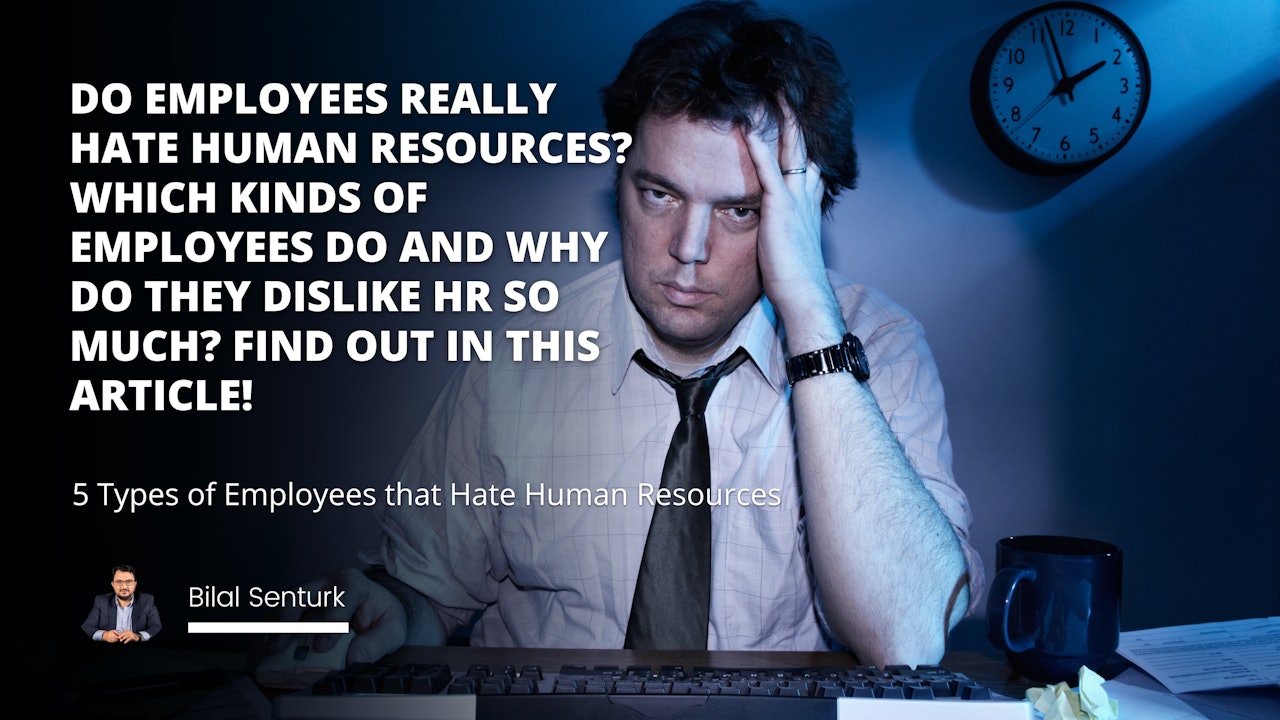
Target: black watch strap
column 848, row 356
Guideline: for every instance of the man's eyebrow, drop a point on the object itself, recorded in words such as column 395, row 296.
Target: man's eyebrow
column 641, row 175
column 653, row 178
column 744, row 201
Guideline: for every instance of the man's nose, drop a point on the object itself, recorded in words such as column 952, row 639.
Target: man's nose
column 689, row 245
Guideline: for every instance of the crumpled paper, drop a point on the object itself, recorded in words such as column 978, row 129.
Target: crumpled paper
column 1060, row 702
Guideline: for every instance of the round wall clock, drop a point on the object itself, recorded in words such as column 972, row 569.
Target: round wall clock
column 1059, row 88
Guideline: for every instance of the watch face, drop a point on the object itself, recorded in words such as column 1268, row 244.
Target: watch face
column 858, row 354
column 1060, row 88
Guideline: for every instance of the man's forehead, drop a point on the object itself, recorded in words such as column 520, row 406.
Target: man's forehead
column 760, row 120
column 706, row 157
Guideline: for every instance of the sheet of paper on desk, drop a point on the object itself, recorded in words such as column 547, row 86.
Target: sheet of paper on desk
column 1209, row 656
column 1138, row 703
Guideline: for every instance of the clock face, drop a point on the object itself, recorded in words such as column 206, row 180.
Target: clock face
column 1060, row 88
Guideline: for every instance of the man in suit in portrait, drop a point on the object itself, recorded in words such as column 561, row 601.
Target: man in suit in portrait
column 123, row 615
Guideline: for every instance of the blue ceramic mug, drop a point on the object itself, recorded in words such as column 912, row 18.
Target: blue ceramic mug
column 1055, row 604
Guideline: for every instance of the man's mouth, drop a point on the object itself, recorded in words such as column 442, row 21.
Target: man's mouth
column 683, row 295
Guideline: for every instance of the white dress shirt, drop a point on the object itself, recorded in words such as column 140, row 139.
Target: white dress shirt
column 547, row 575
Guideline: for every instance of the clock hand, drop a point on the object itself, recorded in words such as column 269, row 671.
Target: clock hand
column 1027, row 118
column 1063, row 86
column 1067, row 85
column 1074, row 80
column 1057, row 55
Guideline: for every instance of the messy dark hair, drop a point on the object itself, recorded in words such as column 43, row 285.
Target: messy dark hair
column 725, row 62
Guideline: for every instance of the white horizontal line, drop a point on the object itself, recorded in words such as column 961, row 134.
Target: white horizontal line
column 283, row 628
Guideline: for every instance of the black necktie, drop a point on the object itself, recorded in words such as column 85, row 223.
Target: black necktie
column 673, row 589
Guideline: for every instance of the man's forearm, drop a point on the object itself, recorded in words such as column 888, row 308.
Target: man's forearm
column 887, row 564
column 885, row 558
column 152, row 626
column 884, row 555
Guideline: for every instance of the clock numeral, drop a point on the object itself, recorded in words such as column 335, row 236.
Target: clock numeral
column 1095, row 36
column 1016, row 55
column 1093, row 136
column 1008, row 85
column 1067, row 27
column 1037, row 35
column 1036, row 135
column 1116, row 115
column 1064, row 144
column 1015, row 113
column 1119, row 55
column 1124, row 86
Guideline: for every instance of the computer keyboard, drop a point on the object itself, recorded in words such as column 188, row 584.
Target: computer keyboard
column 407, row 690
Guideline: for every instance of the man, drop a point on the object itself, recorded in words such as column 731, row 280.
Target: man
column 123, row 615
column 834, row 518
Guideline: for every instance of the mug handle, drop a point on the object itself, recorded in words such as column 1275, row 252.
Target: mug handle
column 998, row 602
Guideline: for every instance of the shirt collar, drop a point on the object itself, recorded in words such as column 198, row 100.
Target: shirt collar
column 757, row 332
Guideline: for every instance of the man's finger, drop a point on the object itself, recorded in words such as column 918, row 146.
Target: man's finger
column 813, row 180
column 792, row 153
column 765, row 159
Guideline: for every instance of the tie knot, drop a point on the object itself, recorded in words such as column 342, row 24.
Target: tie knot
column 692, row 394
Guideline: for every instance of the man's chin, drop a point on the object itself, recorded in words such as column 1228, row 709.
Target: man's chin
column 690, row 342
column 693, row 333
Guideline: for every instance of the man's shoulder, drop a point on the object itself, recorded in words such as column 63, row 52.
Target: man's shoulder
column 863, row 305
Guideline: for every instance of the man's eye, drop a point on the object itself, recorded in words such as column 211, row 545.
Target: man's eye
column 655, row 195
column 742, row 213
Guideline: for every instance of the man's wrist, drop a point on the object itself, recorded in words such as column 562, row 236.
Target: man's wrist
column 811, row 325
column 847, row 356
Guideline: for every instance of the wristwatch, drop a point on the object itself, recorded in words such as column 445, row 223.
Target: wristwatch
column 848, row 356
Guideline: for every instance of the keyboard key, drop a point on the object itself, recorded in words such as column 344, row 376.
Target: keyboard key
column 428, row 679
column 890, row 690
column 974, row 691
column 918, row 691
